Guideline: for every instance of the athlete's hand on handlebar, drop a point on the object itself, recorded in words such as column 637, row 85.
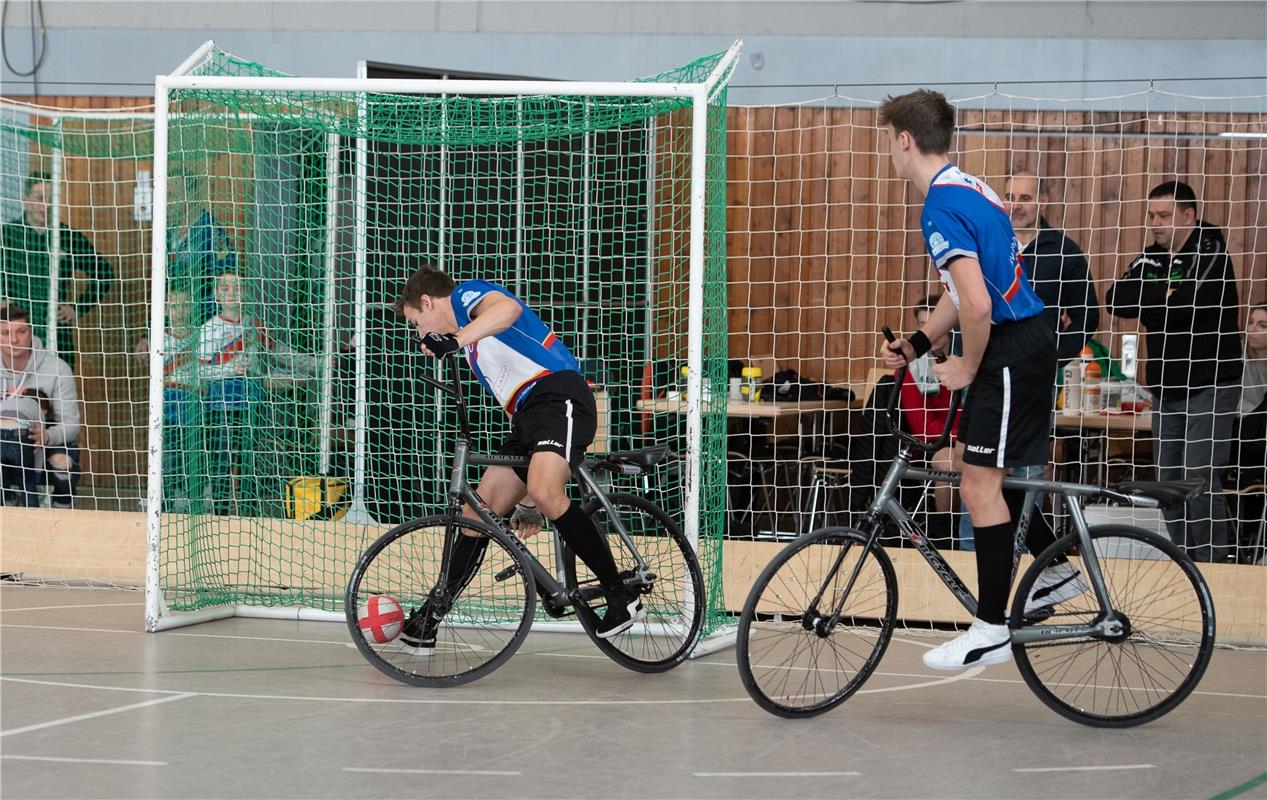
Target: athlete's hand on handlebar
column 439, row 344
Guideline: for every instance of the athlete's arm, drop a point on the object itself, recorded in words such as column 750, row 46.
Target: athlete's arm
column 943, row 318
column 974, row 322
column 492, row 315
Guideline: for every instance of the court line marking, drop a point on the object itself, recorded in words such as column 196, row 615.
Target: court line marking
column 82, row 605
column 774, row 774
column 433, row 771
column 88, row 761
column 961, row 676
column 1084, row 769
column 103, row 713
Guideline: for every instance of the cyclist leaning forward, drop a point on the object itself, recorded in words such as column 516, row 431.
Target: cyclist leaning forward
column 538, row 382
column 1009, row 354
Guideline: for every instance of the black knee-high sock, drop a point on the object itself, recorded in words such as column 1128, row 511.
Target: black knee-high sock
column 1040, row 535
column 994, row 570
column 582, row 538
column 468, row 554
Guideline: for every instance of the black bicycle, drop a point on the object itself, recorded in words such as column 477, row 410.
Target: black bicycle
column 1126, row 644
column 486, row 622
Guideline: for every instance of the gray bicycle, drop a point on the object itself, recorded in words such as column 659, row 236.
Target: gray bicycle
column 1124, row 641
column 486, row 615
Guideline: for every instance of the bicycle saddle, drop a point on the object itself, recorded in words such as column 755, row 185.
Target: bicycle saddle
column 632, row 462
column 1168, row 493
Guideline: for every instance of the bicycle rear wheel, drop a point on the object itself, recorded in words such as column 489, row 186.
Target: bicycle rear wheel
column 488, row 619
column 1145, row 673
column 675, row 602
column 792, row 661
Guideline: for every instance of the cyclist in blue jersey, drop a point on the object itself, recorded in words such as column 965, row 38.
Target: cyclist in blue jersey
column 1009, row 357
column 535, row 378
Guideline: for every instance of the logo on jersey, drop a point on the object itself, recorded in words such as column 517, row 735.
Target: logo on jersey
column 976, row 448
column 469, row 297
column 938, row 243
column 548, row 443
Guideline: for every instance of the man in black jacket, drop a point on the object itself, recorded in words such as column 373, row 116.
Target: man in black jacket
column 1183, row 290
column 1056, row 267
column 26, row 270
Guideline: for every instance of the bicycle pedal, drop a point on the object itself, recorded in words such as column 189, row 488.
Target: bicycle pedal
column 507, row 573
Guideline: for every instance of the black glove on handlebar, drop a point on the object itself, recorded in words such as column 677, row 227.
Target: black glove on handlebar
column 441, row 344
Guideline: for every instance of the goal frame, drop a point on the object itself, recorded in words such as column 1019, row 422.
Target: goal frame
column 157, row 616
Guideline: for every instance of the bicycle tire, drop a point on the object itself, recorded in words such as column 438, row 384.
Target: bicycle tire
column 676, row 603
column 487, row 623
column 786, row 665
column 1104, row 683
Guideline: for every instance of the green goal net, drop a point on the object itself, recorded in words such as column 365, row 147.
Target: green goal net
column 295, row 427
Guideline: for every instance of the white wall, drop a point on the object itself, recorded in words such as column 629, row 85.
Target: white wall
column 117, row 47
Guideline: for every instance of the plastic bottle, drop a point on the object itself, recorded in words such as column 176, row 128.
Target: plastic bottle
column 1091, row 377
column 1071, row 387
column 749, row 389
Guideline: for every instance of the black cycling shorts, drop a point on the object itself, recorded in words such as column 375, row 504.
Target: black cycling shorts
column 1006, row 417
column 558, row 416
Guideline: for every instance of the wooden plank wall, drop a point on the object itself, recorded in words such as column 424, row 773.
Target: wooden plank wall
column 823, row 244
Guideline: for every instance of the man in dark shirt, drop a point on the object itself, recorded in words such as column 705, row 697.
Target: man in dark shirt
column 25, row 270
column 1183, row 291
column 1056, row 266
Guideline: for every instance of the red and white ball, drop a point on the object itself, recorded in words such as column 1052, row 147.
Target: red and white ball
column 380, row 618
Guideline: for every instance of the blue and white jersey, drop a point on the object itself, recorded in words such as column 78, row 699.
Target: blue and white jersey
column 964, row 217
column 510, row 363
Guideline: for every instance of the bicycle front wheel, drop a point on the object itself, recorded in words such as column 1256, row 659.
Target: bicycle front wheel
column 795, row 660
column 675, row 602
column 1135, row 678
column 488, row 620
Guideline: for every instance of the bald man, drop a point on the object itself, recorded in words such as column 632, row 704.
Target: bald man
column 1056, row 267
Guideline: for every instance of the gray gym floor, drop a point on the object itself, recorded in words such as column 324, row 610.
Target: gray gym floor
column 90, row 706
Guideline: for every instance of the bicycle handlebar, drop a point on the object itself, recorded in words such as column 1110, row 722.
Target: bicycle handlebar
column 454, row 390
column 895, row 424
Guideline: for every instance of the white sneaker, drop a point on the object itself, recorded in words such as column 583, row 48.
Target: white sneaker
column 1055, row 584
column 981, row 645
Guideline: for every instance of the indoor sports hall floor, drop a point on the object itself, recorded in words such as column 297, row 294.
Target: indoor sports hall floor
column 90, row 706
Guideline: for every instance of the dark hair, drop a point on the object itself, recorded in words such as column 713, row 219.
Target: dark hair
column 12, row 313
column 1182, row 192
column 35, row 179
column 426, row 281
column 925, row 303
column 925, row 115
column 46, row 404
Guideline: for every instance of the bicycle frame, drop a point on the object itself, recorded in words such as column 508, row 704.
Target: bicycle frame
column 461, row 493
column 885, row 505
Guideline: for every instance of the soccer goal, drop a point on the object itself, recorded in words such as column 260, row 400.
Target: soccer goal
column 287, row 424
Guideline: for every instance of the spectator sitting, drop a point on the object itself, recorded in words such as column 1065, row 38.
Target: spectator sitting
column 41, row 444
column 227, row 345
column 181, row 404
column 925, row 406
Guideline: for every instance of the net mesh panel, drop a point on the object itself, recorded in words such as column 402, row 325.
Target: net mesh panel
column 580, row 206
column 825, row 249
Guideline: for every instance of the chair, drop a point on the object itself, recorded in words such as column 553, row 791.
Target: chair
column 827, row 477
column 1236, row 501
